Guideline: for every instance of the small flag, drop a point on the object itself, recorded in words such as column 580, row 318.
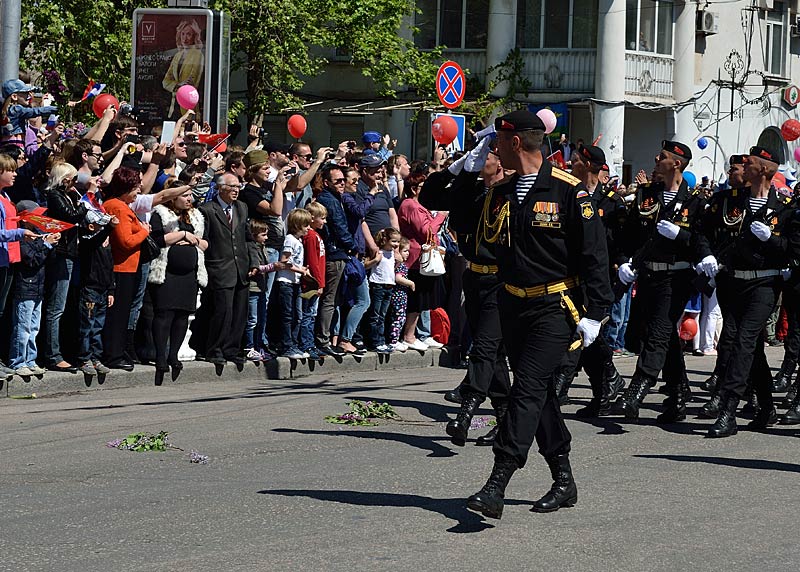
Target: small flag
column 44, row 223
column 214, row 141
column 92, row 90
column 557, row 159
column 52, row 121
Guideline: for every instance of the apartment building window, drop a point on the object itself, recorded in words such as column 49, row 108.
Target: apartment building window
column 457, row 24
column 548, row 24
column 775, row 48
column 649, row 26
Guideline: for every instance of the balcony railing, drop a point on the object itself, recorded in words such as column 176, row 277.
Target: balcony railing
column 647, row 76
column 549, row 71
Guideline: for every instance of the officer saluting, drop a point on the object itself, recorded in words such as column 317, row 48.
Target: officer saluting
column 549, row 242
column 748, row 285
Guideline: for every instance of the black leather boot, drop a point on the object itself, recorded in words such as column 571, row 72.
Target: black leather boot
column 563, row 493
column 711, row 409
column 458, row 428
column 489, row 500
column 750, row 408
column 792, row 416
column 454, row 395
column 612, row 382
column 631, row 399
column 783, row 379
column 725, row 425
column 791, row 394
column 562, row 382
column 711, row 382
column 763, row 419
column 487, row 440
column 687, row 388
column 674, row 406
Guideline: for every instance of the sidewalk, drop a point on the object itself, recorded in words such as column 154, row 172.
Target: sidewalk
column 281, row 368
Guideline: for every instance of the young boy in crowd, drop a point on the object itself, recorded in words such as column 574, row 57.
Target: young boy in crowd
column 314, row 255
column 256, row 318
column 28, row 297
column 97, row 289
column 297, row 225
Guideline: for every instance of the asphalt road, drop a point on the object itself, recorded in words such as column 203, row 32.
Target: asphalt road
column 285, row 490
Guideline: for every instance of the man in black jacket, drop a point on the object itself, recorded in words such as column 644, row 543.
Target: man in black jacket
column 229, row 260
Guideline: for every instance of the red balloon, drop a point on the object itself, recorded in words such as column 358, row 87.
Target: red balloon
column 297, row 126
column 790, row 129
column 101, row 102
column 444, row 129
column 688, row 329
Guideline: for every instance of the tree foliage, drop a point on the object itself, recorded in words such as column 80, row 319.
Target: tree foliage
column 279, row 43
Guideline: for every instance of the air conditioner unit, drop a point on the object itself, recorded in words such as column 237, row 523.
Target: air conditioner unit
column 707, row 22
column 766, row 4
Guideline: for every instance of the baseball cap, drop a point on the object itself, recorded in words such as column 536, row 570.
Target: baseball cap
column 370, row 161
column 13, row 86
column 370, row 137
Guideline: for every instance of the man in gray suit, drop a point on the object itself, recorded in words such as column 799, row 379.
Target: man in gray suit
column 229, row 259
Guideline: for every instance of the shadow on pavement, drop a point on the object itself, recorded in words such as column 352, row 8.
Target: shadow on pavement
column 727, row 462
column 452, row 508
column 422, row 442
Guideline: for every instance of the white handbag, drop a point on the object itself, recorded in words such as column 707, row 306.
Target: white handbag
column 431, row 261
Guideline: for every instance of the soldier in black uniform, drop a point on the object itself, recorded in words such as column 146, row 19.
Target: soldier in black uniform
column 487, row 373
column 664, row 225
column 748, row 286
column 549, row 242
column 597, row 359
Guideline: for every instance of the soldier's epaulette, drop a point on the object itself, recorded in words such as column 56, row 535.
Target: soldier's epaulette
column 564, row 176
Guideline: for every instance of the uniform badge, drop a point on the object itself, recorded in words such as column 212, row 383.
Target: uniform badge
column 586, row 210
column 648, row 203
column 600, row 213
column 581, row 194
column 545, row 214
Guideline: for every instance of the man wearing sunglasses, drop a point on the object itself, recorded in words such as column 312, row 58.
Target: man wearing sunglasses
column 307, row 167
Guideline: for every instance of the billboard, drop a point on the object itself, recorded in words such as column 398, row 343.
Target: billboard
column 176, row 47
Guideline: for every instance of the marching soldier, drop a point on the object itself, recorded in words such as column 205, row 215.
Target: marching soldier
column 587, row 164
column 663, row 224
column 487, row 374
column 549, row 242
column 748, row 285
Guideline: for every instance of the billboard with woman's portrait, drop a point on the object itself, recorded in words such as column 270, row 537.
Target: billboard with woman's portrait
column 171, row 48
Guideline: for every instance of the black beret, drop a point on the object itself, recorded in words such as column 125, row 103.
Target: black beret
column 519, row 120
column 767, row 154
column 593, row 154
column 736, row 160
column 677, row 148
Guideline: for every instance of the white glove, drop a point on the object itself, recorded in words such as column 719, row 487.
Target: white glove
column 708, row 266
column 589, row 330
column 760, row 230
column 626, row 273
column 667, row 229
column 476, row 158
column 485, row 131
column 786, row 273
column 457, row 165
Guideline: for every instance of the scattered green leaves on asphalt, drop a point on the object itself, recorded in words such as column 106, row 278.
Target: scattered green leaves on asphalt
column 363, row 413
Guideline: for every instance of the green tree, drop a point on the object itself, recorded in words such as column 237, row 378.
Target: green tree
column 279, row 43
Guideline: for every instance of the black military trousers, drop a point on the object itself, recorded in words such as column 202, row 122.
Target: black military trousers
column 592, row 360
column 663, row 299
column 537, row 332
column 487, row 374
column 746, row 305
column 791, row 302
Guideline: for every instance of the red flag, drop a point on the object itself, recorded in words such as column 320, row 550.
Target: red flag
column 43, row 223
column 215, row 141
column 557, row 159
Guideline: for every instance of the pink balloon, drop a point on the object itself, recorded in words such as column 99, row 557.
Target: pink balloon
column 797, row 154
column 548, row 118
column 187, row 96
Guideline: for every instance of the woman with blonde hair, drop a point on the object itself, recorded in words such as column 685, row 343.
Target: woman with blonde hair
column 186, row 67
column 63, row 203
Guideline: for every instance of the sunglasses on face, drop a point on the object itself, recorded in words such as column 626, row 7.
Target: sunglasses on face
column 337, row 181
column 307, row 157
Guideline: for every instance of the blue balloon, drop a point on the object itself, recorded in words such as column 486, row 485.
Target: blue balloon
column 702, row 142
column 690, row 178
